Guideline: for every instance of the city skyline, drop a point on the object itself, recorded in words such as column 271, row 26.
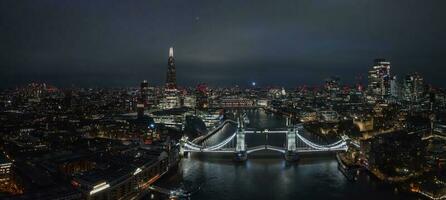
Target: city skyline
column 170, row 80
column 222, row 99
column 223, row 44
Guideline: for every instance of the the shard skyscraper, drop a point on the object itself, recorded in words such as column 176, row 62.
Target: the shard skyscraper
column 171, row 80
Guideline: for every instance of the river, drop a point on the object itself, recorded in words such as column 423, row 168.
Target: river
column 266, row 175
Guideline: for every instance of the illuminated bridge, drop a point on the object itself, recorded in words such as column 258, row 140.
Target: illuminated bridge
column 235, row 143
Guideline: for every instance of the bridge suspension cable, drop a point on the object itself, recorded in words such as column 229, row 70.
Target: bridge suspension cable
column 336, row 145
column 196, row 147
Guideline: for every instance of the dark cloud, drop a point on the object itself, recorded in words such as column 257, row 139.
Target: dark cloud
column 118, row 43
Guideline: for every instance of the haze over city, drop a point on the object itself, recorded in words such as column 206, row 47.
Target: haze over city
column 282, row 43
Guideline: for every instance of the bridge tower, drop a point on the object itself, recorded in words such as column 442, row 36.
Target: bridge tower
column 182, row 143
column 240, row 148
column 291, row 147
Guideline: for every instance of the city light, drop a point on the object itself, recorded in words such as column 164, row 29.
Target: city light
column 229, row 100
column 137, row 171
column 99, row 187
column 152, row 126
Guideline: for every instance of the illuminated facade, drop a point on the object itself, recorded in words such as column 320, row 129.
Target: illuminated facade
column 142, row 100
column 172, row 121
column 5, row 171
column 171, row 81
column 379, row 80
column 8, row 183
column 235, row 102
column 170, row 100
column 414, row 88
column 190, row 101
column 332, row 86
column 126, row 182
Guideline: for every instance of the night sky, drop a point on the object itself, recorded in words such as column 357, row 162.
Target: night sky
column 223, row 43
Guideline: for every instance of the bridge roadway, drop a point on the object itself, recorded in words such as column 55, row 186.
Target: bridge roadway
column 249, row 149
column 218, row 141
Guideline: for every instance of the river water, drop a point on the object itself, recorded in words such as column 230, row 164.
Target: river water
column 266, row 175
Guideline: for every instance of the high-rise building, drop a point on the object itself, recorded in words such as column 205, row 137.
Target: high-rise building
column 152, row 97
column 144, row 89
column 190, row 101
column 332, row 86
column 395, row 89
column 170, row 100
column 414, row 88
column 202, row 94
column 379, row 80
column 171, row 81
column 142, row 99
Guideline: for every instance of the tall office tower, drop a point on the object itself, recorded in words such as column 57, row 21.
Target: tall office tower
column 414, row 88
column 379, row 79
column 144, row 90
column 395, row 89
column 332, row 86
column 202, row 94
column 171, row 81
column 142, row 99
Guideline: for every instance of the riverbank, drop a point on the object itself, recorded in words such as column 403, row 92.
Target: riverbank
column 266, row 175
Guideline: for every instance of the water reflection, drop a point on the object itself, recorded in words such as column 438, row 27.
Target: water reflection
column 267, row 176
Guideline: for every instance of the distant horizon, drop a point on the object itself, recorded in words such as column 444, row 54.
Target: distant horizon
column 351, row 81
column 287, row 43
column 136, row 83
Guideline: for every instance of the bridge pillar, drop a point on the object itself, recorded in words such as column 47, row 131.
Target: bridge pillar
column 182, row 152
column 288, row 122
column 291, row 153
column 240, row 148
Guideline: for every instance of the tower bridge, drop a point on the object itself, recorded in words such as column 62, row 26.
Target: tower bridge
column 295, row 143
